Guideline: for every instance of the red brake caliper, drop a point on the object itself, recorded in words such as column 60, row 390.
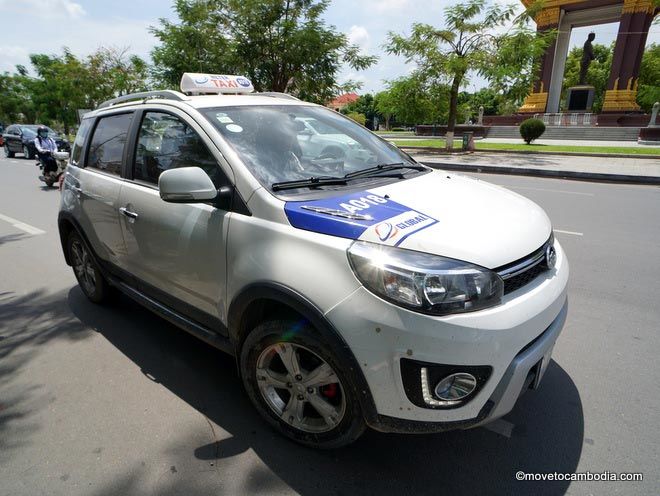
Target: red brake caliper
column 329, row 390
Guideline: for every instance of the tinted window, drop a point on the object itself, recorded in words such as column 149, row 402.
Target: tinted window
column 76, row 150
column 166, row 142
column 107, row 146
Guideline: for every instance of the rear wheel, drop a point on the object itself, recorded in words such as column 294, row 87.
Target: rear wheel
column 298, row 386
column 8, row 152
column 89, row 277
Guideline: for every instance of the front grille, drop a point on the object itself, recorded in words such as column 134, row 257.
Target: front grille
column 523, row 271
column 517, row 282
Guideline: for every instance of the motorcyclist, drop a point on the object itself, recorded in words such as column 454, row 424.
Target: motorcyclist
column 45, row 146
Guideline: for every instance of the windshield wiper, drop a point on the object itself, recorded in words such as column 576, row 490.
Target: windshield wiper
column 378, row 169
column 311, row 182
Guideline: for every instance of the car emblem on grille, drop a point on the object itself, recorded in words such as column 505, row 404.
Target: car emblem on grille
column 550, row 256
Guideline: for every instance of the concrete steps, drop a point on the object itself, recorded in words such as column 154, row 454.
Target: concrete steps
column 570, row 133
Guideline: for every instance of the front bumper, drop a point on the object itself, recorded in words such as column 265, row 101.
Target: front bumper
column 512, row 339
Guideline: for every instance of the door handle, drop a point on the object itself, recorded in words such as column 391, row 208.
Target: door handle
column 77, row 189
column 128, row 213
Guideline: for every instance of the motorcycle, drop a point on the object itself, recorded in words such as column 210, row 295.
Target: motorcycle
column 52, row 177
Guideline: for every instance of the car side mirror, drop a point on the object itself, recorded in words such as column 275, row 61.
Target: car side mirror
column 186, row 185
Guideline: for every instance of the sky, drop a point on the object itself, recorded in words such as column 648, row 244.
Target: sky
column 45, row 26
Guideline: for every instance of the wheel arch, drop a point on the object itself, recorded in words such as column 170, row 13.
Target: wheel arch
column 261, row 301
column 66, row 224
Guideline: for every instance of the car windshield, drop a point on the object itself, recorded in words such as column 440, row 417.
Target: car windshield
column 276, row 143
column 32, row 131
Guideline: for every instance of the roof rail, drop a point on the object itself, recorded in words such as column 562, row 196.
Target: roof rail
column 166, row 94
column 277, row 94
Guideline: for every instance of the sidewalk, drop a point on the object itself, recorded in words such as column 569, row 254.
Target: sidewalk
column 626, row 144
column 621, row 170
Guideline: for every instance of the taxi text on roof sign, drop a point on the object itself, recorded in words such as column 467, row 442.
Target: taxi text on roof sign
column 192, row 82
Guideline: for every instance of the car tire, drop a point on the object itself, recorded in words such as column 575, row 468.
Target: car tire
column 335, row 393
column 27, row 153
column 89, row 277
column 8, row 152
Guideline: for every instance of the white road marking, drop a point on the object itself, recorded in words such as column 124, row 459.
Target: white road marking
column 501, row 427
column 550, row 190
column 569, row 232
column 22, row 225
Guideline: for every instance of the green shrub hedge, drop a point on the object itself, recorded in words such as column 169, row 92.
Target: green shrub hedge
column 531, row 129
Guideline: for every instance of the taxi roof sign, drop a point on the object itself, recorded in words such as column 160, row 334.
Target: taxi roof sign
column 196, row 83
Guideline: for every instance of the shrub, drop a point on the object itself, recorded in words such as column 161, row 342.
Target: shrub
column 531, row 129
column 359, row 118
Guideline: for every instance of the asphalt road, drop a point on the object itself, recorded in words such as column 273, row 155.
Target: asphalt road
column 115, row 401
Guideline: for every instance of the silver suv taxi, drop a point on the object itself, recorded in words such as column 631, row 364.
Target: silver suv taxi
column 355, row 286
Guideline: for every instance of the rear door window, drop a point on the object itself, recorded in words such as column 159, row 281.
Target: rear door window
column 106, row 148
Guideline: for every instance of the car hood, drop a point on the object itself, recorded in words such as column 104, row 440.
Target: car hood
column 439, row 213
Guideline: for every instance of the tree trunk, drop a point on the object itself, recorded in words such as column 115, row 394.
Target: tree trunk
column 453, row 104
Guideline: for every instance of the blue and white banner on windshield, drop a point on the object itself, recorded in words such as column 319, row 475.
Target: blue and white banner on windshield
column 364, row 215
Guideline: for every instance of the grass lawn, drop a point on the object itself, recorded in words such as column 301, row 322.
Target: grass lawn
column 438, row 143
column 398, row 133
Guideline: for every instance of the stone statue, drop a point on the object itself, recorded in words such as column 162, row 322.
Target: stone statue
column 587, row 57
column 654, row 115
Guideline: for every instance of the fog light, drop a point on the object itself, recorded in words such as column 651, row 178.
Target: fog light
column 455, row 387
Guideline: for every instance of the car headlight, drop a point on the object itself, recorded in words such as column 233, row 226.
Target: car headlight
column 422, row 282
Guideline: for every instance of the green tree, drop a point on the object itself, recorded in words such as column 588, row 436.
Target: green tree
column 281, row 45
column 597, row 74
column 65, row 83
column 648, row 90
column 471, row 40
column 366, row 106
column 413, row 101
column 114, row 72
column 357, row 117
column 59, row 89
column 492, row 101
column 386, row 105
column 16, row 103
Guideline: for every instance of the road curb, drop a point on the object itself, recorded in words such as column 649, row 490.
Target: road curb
column 436, row 151
column 520, row 171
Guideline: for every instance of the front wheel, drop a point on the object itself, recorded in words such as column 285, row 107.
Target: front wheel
column 298, row 386
column 27, row 153
column 8, row 152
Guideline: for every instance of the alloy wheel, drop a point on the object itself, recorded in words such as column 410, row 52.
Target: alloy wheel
column 300, row 387
column 83, row 267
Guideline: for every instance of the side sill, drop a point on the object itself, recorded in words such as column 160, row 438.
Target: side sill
column 206, row 335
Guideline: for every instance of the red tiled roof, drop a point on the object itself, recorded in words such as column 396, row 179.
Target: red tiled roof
column 344, row 99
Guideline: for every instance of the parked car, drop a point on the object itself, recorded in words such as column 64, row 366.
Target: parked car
column 392, row 296
column 2, row 139
column 317, row 139
column 19, row 138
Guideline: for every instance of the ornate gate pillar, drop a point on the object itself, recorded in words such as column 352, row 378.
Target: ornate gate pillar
column 621, row 93
column 537, row 100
